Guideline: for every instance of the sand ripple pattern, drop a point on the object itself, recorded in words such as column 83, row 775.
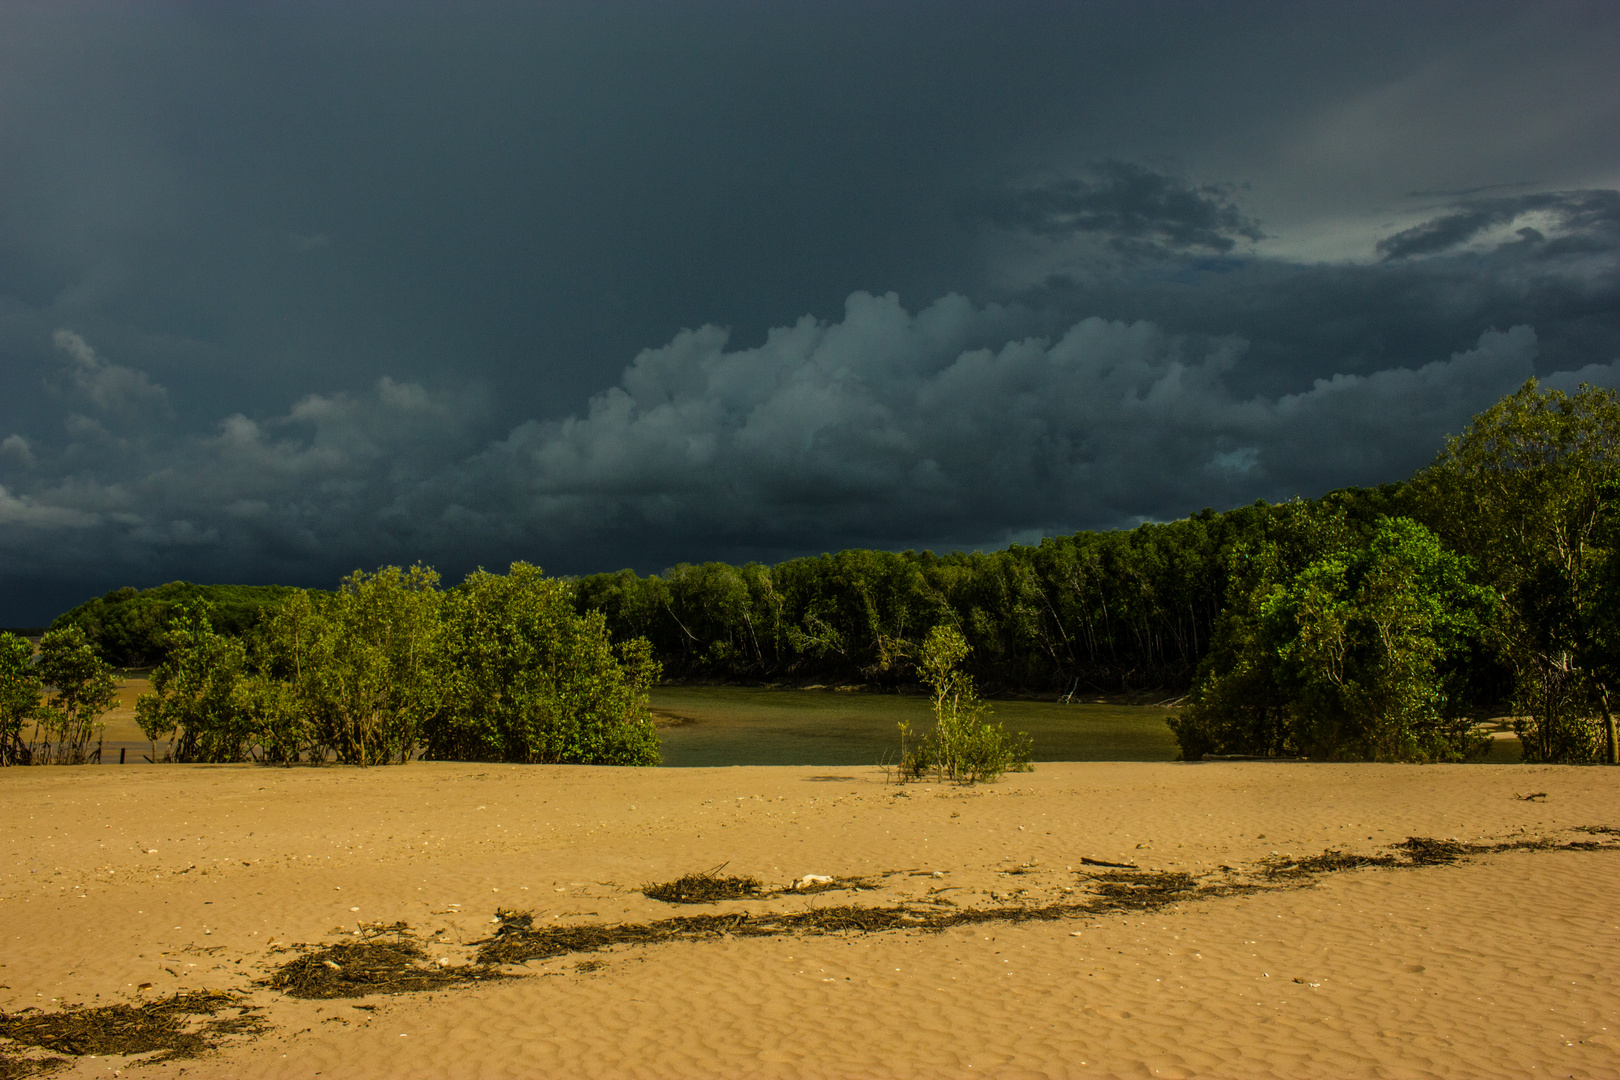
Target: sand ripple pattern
column 1499, row 966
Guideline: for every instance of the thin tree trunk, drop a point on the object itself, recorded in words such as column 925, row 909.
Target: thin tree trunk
column 1611, row 744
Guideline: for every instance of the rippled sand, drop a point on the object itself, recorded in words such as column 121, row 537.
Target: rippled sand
column 197, row 876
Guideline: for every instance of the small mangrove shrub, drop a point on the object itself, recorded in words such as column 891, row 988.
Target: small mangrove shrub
column 964, row 746
column 529, row 679
column 193, row 704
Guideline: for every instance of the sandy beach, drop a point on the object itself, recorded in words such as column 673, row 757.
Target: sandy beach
column 132, row 884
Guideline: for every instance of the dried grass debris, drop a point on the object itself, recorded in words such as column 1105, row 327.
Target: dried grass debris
column 19, row 1066
column 1143, row 890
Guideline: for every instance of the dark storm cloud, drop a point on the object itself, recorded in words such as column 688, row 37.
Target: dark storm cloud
column 289, row 289
column 1133, row 207
column 1560, row 276
column 959, row 423
column 956, row 423
column 1587, row 218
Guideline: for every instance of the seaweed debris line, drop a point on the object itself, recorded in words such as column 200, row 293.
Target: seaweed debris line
column 168, row 1028
column 1117, row 890
column 391, row 962
column 355, row 969
column 704, row 888
column 1113, row 890
column 367, row 967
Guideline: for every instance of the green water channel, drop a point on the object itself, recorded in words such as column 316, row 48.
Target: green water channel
column 743, row 726
column 725, row 725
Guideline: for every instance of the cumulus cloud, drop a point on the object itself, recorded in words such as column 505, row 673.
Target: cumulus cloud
column 887, row 427
column 108, row 386
column 17, row 449
column 882, row 426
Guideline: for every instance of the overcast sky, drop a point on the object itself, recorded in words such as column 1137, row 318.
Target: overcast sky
column 290, row 289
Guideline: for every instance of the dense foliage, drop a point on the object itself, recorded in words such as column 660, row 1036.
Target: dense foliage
column 79, row 689
column 1096, row 610
column 533, row 680
column 1527, row 493
column 20, row 688
column 1363, row 653
column 127, row 626
column 500, row 668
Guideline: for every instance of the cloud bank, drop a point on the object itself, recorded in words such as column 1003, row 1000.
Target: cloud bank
column 886, row 427
column 957, row 424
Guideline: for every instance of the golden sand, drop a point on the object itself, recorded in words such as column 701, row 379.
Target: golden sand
column 197, row 877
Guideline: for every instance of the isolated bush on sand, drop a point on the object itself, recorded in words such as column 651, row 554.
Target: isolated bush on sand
column 964, row 745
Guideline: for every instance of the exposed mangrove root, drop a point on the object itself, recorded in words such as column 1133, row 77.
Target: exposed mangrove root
column 167, row 1028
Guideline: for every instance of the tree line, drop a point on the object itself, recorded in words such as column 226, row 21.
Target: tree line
column 128, row 627
column 390, row 666
column 1370, row 623
column 1096, row 610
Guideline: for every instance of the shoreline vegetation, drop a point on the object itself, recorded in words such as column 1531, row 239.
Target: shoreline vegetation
column 389, row 667
column 1378, row 624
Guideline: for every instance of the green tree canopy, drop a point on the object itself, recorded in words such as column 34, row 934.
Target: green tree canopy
column 79, row 689
column 127, row 626
column 1524, row 492
column 530, row 679
column 1359, row 655
column 20, row 688
column 194, row 692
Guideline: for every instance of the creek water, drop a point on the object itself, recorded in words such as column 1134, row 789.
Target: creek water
column 728, row 725
column 744, row 726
